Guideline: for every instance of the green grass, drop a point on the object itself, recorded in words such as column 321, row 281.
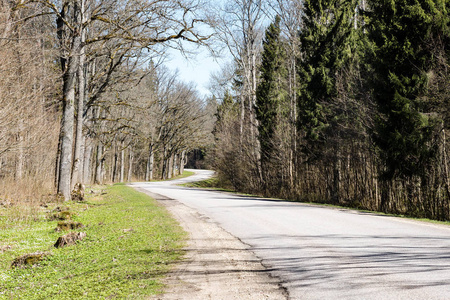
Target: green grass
column 131, row 243
column 215, row 184
column 211, row 183
column 184, row 175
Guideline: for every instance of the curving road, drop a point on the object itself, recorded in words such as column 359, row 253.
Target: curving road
column 325, row 253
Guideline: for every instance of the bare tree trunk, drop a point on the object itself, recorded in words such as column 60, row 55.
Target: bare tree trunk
column 58, row 160
column 336, row 195
column 166, row 164
column 99, row 164
column 67, row 121
column 170, row 166
column 87, row 163
column 130, row 165
column 149, row 171
column 175, row 165
column 152, row 158
column 122, row 164
column 252, row 104
column 445, row 162
column 293, row 96
column 77, row 173
column 114, row 165
column 242, row 118
column 182, row 161
column 20, row 154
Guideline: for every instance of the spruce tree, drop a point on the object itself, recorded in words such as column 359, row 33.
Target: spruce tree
column 328, row 43
column 270, row 92
column 401, row 59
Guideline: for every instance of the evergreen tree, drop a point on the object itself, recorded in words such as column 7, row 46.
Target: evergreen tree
column 401, row 59
column 224, row 109
column 328, row 42
column 270, row 92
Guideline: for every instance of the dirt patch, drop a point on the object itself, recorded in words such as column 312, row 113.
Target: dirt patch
column 217, row 265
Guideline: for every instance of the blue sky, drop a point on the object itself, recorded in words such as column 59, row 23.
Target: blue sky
column 196, row 69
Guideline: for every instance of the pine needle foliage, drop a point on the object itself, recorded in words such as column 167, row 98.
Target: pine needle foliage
column 271, row 91
column 328, row 43
column 401, row 59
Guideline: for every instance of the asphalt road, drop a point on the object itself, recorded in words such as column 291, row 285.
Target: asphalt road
column 328, row 253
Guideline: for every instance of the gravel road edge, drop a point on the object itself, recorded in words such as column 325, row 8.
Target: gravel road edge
column 217, row 265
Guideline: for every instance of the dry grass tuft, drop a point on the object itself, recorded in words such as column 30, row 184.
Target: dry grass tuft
column 24, row 199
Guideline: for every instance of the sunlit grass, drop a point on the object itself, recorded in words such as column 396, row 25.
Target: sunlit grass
column 184, row 175
column 131, row 243
column 210, row 183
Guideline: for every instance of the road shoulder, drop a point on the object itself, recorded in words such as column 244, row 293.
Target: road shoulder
column 217, row 265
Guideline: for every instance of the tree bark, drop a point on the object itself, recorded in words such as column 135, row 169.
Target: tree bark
column 170, row 166
column 67, row 121
column 174, row 168
column 182, row 161
column 99, row 164
column 165, row 164
column 130, row 165
column 122, row 165
column 115, row 163
column 87, row 163
column 149, row 171
column 20, row 154
column 77, row 173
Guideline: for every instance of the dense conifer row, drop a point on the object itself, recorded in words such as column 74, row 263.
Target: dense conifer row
column 371, row 111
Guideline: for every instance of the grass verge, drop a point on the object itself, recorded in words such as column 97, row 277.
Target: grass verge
column 184, row 175
column 131, row 243
column 211, row 183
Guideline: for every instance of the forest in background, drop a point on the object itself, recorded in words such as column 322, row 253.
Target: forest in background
column 342, row 102
column 85, row 96
column 332, row 101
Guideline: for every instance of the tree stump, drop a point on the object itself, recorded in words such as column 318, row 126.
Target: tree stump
column 28, row 260
column 62, row 216
column 78, row 193
column 69, row 239
column 68, row 225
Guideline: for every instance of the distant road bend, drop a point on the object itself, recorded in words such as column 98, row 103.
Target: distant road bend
column 328, row 253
